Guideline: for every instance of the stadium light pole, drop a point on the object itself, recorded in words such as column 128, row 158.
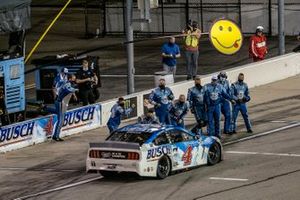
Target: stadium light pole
column 281, row 35
column 129, row 46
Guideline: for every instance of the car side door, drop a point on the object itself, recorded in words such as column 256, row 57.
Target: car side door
column 184, row 149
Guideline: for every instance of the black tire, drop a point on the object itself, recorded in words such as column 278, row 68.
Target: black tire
column 214, row 154
column 108, row 174
column 163, row 167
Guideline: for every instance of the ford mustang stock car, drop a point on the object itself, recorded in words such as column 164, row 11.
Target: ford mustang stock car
column 152, row 151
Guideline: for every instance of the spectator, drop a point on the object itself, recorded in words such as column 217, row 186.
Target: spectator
column 161, row 98
column 297, row 49
column 198, row 107
column 258, row 46
column 178, row 110
column 241, row 96
column 191, row 43
column 170, row 51
column 85, row 80
column 117, row 111
column 149, row 118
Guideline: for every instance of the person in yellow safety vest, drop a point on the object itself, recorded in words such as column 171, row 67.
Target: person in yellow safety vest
column 191, row 43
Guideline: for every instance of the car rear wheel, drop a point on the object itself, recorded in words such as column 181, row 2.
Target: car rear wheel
column 163, row 167
column 214, row 154
column 108, row 174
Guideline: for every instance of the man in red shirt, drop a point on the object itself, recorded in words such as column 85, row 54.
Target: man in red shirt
column 258, row 46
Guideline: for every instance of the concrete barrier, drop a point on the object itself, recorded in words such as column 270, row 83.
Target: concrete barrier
column 78, row 120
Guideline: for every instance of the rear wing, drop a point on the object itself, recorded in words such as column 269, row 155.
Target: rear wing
column 115, row 145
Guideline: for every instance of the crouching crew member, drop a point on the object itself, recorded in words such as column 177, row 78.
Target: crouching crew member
column 241, row 96
column 161, row 97
column 178, row 110
column 148, row 118
column 117, row 111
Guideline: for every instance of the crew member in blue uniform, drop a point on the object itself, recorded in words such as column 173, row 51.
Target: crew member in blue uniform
column 63, row 75
column 117, row 111
column 161, row 97
column 178, row 110
column 64, row 91
column 148, row 118
column 226, row 107
column 197, row 104
column 214, row 92
column 240, row 93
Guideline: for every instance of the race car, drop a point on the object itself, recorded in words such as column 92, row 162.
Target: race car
column 152, row 150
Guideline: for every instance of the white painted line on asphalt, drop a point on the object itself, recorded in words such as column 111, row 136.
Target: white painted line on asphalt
column 266, row 154
column 60, row 188
column 40, row 169
column 228, row 179
column 263, row 134
column 278, row 121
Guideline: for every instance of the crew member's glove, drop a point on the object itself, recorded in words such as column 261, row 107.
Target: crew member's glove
column 245, row 100
column 233, row 102
column 192, row 110
column 171, row 97
column 132, row 106
column 157, row 105
column 179, row 121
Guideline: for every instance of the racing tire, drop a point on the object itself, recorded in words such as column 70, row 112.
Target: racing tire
column 163, row 167
column 214, row 154
column 108, row 174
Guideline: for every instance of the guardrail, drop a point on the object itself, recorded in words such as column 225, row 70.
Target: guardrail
column 94, row 116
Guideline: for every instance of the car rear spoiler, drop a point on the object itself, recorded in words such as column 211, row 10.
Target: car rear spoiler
column 116, row 145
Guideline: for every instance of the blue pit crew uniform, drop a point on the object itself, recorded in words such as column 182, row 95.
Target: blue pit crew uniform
column 195, row 97
column 64, row 91
column 177, row 112
column 148, row 120
column 161, row 99
column 226, row 107
column 213, row 97
column 240, row 94
column 117, row 111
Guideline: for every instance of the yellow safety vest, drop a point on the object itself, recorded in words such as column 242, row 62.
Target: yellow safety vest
column 191, row 40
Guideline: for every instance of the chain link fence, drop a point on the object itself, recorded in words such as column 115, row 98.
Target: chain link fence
column 106, row 17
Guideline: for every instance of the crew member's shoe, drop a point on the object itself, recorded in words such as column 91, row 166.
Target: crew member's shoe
column 57, row 139
column 249, row 131
column 233, row 132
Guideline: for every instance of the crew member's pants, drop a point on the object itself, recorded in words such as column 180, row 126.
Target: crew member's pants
column 191, row 63
column 214, row 117
column 163, row 115
column 60, row 117
column 87, row 96
column 240, row 107
column 226, row 111
column 170, row 69
column 113, row 124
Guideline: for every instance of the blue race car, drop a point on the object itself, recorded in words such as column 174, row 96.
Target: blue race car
column 152, row 150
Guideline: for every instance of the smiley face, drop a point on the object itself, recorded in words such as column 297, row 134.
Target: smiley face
column 226, row 37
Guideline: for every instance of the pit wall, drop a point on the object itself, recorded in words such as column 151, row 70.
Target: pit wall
column 90, row 117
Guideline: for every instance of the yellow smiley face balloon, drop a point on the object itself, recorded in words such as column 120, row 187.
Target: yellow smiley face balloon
column 226, row 37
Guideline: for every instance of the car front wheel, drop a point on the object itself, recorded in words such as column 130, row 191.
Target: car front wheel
column 214, row 154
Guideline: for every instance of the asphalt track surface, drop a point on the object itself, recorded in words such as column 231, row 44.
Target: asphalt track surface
column 266, row 167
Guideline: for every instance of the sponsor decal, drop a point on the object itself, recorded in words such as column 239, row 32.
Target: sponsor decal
column 187, row 156
column 159, row 151
column 77, row 116
column 48, row 128
column 16, row 132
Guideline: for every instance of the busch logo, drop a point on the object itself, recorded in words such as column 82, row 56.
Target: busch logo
column 77, row 116
column 157, row 152
column 14, row 132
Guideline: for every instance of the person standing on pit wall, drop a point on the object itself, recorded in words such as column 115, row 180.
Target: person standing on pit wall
column 297, row 49
column 197, row 104
column 191, row 44
column 63, row 75
column 161, row 97
column 226, row 107
column 64, row 93
column 214, row 93
column 178, row 111
column 86, row 78
column 258, row 45
column 170, row 52
column 240, row 94
column 117, row 111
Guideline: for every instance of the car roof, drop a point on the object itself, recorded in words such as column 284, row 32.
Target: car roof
column 142, row 128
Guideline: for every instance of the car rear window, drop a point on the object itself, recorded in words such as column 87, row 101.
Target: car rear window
column 130, row 137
